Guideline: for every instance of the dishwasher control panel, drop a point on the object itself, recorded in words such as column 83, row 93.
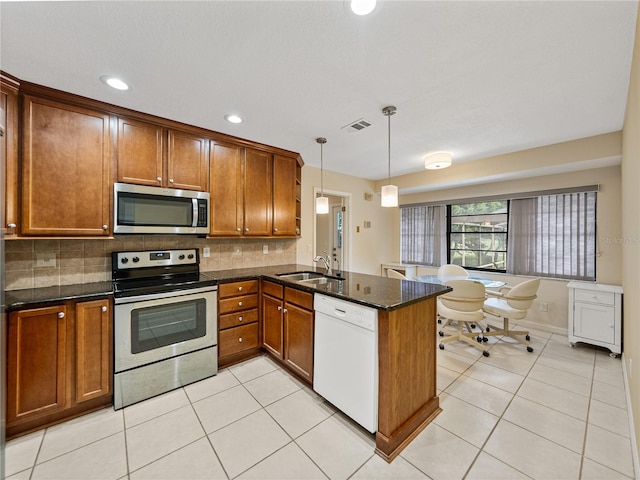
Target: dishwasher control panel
column 359, row 315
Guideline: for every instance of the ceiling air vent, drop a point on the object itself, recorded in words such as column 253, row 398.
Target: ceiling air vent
column 356, row 126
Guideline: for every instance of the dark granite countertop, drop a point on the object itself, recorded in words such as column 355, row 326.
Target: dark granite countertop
column 372, row 291
column 38, row 297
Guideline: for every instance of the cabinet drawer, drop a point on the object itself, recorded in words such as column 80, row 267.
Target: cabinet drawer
column 237, row 339
column 239, row 318
column 237, row 288
column 593, row 296
column 236, row 304
column 300, row 298
column 273, row 289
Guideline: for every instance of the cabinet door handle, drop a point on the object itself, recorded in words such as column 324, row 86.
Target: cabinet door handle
column 284, row 311
column 11, row 225
column 275, row 229
column 105, row 227
column 159, row 179
column 279, row 308
column 104, row 309
column 240, row 339
column 171, row 180
column 60, row 314
column 246, row 229
column 239, row 229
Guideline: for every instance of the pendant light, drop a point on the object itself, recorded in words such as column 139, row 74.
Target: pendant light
column 322, row 202
column 389, row 192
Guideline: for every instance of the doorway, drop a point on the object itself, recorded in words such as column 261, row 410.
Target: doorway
column 332, row 230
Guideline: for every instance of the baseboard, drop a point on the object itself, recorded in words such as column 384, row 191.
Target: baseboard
column 543, row 327
column 632, row 430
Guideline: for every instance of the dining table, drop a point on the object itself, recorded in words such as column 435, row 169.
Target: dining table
column 487, row 282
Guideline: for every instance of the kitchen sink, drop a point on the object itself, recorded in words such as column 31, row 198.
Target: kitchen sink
column 321, row 281
column 301, row 276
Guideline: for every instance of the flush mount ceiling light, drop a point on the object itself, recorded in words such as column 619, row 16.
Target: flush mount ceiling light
column 231, row 118
column 363, row 7
column 437, row 160
column 389, row 192
column 322, row 202
column 114, row 82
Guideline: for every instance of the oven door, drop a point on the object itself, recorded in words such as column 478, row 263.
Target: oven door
column 146, row 331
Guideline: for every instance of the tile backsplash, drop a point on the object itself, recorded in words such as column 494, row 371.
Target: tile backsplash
column 45, row 263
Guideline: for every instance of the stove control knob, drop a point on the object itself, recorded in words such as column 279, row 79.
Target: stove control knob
column 190, row 256
column 124, row 260
column 181, row 257
column 135, row 259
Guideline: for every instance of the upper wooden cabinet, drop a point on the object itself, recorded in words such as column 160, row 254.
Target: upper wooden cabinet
column 240, row 191
column 253, row 193
column 66, row 153
column 284, row 196
column 151, row 155
column 9, row 151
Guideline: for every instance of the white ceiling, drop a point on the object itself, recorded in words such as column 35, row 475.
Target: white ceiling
column 474, row 78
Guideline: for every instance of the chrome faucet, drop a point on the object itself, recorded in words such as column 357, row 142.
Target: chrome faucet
column 326, row 260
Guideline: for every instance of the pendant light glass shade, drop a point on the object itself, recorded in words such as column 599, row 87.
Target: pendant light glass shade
column 322, row 202
column 322, row 205
column 389, row 197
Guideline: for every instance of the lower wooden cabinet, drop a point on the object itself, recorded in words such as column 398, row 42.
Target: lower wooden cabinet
column 287, row 327
column 59, row 363
column 238, row 326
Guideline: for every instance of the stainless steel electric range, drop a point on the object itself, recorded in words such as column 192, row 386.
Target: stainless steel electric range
column 165, row 323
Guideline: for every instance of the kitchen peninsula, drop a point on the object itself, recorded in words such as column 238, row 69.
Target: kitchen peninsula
column 407, row 400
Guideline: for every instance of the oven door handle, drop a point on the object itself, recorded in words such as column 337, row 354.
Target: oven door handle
column 160, row 295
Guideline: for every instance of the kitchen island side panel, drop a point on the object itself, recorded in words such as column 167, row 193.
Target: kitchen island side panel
column 407, row 375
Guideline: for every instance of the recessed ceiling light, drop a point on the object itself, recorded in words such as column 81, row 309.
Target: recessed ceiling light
column 233, row 118
column 114, row 82
column 363, row 7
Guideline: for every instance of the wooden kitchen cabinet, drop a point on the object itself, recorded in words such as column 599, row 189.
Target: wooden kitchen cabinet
column 9, row 151
column 241, row 193
column 149, row 154
column 287, row 327
column 66, row 181
column 285, row 196
column 58, row 363
column 238, row 326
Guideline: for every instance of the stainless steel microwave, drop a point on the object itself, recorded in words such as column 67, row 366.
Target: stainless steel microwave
column 140, row 209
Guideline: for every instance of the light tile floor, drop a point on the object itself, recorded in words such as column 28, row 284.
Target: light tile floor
column 556, row 413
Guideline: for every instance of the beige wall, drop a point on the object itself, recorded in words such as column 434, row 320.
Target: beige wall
column 631, row 236
column 369, row 247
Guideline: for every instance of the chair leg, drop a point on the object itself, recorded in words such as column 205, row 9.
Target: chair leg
column 506, row 331
column 463, row 337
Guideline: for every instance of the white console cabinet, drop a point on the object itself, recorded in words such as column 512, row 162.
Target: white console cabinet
column 595, row 315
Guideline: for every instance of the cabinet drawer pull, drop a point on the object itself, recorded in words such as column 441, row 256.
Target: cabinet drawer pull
column 104, row 309
column 240, row 319
column 60, row 314
column 240, row 339
column 11, row 225
column 239, row 289
column 239, row 304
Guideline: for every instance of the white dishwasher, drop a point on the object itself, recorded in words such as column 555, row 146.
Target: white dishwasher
column 345, row 364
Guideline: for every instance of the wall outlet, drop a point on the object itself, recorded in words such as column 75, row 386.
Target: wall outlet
column 544, row 307
column 206, row 252
column 265, row 249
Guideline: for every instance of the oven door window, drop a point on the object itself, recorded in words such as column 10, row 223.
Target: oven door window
column 161, row 325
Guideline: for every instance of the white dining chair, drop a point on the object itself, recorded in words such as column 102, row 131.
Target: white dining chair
column 391, row 273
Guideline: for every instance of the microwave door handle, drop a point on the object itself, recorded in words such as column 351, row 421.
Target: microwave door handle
column 194, row 213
